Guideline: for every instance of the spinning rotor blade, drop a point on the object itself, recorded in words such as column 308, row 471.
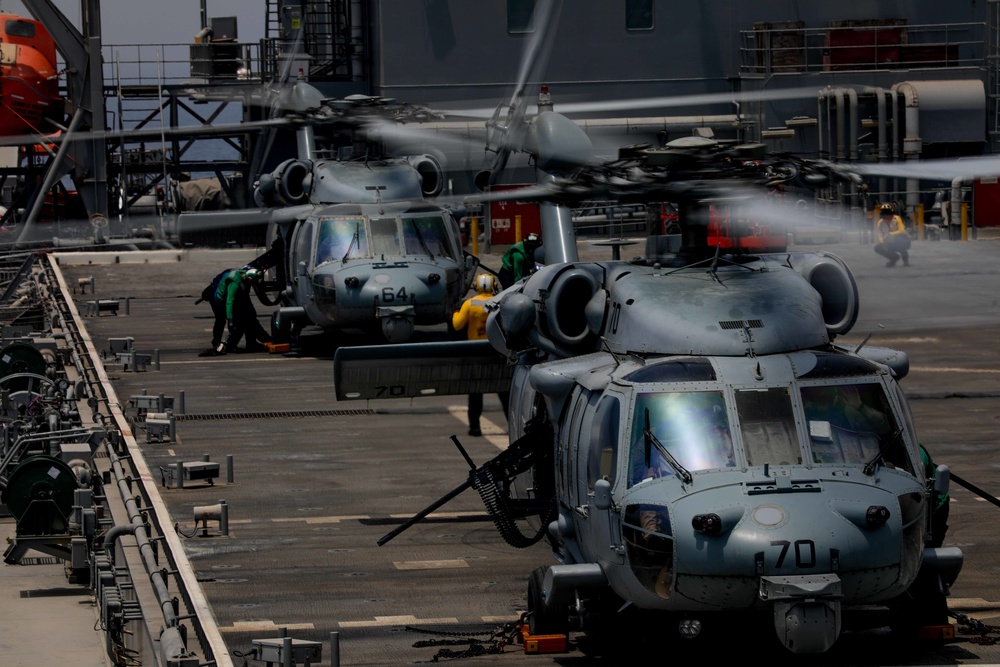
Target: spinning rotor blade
column 135, row 136
column 669, row 102
column 537, row 45
column 928, row 170
column 507, row 134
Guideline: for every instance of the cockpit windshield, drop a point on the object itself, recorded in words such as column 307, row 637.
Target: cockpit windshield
column 340, row 239
column 425, row 235
column 408, row 235
column 852, row 423
column 842, row 421
column 693, row 427
column 385, row 237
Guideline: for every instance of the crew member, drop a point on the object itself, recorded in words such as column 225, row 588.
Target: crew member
column 218, row 309
column 472, row 317
column 893, row 239
column 519, row 260
column 232, row 301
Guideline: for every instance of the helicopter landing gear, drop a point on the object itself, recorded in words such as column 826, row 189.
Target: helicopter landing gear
column 279, row 333
column 542, row 619
column 285, row 329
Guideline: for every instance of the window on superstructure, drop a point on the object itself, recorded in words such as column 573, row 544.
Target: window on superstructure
column 17, row 28
column 520, row 16
column 638, row 14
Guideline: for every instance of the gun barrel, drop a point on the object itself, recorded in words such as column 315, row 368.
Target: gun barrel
column 420, row 516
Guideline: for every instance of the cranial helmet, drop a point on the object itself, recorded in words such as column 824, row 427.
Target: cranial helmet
column 885, row 208
column 485, row 283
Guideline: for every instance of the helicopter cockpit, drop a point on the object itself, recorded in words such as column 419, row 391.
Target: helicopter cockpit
column 679, row 419
column 689, row 428
column 362, row 237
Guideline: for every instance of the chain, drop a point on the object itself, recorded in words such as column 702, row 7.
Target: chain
column 499, row 638
column 979, row 629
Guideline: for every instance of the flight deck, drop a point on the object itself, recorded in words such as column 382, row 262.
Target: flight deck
column 309, row 484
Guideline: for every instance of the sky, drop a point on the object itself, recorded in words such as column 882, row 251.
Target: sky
column 160, row 21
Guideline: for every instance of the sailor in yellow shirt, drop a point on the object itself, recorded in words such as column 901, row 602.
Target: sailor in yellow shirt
column 472, row 317
column 893, row 239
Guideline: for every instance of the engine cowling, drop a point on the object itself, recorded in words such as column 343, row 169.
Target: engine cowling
column 290, row 183
column 549, row 312
column 832, row 279
column 431, row 174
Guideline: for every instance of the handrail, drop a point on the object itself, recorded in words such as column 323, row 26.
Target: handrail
column 790, row 48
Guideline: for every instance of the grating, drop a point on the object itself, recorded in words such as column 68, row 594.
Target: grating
column 54, row 592
column 739, row 324
column 291, row 414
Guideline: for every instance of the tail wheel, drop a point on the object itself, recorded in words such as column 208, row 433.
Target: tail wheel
column 543, row 620
column 279, row 334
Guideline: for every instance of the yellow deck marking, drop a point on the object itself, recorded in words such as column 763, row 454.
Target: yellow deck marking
column 453, row 564
column 382, row 621
column 497, row 435
column 263, row 626
column 322, row 519
column 439, row 515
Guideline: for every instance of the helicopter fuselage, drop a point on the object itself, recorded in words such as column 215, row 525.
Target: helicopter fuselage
column 374, row 267
column 772, row 497
column 691, row 441
column 713, row 450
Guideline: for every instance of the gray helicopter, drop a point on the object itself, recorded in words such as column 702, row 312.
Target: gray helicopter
column 685, row 431
column 355, row 241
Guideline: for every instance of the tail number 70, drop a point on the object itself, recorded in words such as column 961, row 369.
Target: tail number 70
column 805, row 552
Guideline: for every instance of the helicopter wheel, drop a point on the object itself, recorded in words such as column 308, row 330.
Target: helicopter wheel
column 543, row 620
column 922, row 605
column 279, row 334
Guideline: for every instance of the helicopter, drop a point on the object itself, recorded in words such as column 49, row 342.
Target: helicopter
column 354, row 238
column 685, row 431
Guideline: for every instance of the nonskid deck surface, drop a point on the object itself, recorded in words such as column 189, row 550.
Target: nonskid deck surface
column 317, row 482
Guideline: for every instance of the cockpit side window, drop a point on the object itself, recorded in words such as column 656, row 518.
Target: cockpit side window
column 692, row 426
column 767, row 425
column 303, row 242
column 340, row 239
column 852, row 422
column 604, row 441
column 425, row 235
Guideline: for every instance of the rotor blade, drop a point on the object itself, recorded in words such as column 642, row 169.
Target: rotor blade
column 545, row 20
column 673, row 101
column 931, row 170
column 262, row 149
column 455, row 136
column 134, row 136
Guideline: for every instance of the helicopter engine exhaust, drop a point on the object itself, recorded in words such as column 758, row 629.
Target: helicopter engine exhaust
column 833, row 280
column 558, row 304
column 290, row 183
column 431, row 174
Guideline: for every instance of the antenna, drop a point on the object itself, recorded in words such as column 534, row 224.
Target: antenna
column 867, row 338
column 607, row 348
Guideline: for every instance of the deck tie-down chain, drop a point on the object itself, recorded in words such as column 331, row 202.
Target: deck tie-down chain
column 499, row 638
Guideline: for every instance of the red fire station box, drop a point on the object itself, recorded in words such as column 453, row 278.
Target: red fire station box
column 503, row 215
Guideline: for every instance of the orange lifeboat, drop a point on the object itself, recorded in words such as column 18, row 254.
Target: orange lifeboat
column 29, row 81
